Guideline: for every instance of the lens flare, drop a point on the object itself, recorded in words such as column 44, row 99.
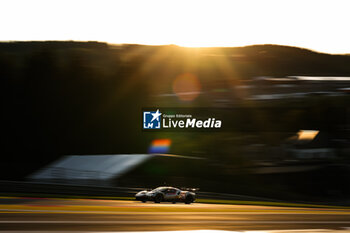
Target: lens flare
column 186, row 87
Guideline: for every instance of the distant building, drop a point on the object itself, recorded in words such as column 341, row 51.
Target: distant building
column 307, row 147
column 100, row 169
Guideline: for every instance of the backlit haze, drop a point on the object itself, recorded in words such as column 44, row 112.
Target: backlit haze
column 317, row 25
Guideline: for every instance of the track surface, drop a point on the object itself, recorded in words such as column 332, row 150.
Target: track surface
column 28, row 214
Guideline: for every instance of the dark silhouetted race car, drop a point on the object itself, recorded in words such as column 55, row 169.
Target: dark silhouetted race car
column 167, row 194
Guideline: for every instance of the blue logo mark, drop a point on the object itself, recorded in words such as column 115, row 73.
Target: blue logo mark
column 151, row 120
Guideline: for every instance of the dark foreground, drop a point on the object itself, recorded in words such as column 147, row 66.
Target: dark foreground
column 24, row 214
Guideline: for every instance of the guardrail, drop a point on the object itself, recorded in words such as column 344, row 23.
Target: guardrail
column 42, row 188
column 63, row 189
column 55, row 190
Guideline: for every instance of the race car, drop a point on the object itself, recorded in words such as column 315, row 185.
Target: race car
column 166, row 194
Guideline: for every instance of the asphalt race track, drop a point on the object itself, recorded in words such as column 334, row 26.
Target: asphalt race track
column 42, row 214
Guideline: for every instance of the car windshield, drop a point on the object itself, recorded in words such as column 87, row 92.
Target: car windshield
column 158, row 189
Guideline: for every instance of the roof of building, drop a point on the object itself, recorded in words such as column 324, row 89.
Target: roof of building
column 100, row 167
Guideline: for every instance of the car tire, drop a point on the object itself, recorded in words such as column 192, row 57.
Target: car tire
column 189, row 199
column 158, row 198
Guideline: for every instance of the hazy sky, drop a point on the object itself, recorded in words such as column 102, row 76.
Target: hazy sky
column 318, row 25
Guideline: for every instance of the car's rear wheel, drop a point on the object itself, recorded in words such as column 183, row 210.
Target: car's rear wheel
column 158, row 198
